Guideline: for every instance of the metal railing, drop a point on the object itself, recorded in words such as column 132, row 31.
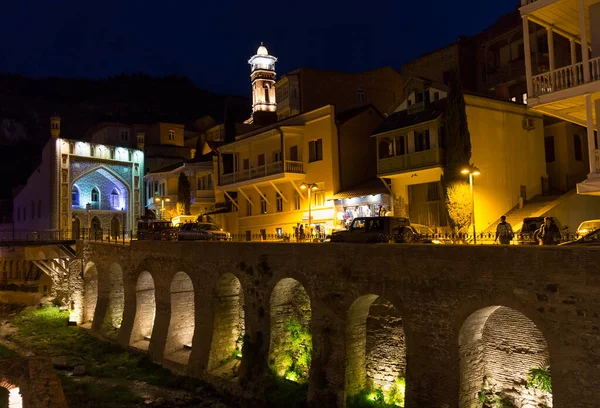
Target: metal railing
column 263, row 171
column 86, row 234
column 409, row 161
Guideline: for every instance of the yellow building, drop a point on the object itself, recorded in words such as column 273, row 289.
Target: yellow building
column 568, row 91
column 507, row 146
column 162, row 189
column 263, row 172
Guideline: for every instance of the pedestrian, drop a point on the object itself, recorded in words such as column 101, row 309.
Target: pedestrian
column 548, row 234
column 504, row 232
column 301, row 232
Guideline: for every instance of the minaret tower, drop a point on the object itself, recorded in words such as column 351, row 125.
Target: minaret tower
column 55, row 125
column 264, row 105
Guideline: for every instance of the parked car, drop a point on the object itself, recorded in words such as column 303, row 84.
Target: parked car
column 204, row 231
column 528, row 233
column 587, row 227
column 592, row 238
column 426, row 234
column 376, row 230
column 150, row 230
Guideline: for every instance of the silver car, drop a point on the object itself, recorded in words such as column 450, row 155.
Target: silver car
column 204, row 231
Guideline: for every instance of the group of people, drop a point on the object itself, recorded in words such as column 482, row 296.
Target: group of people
column 547, row 234
column 303, row 232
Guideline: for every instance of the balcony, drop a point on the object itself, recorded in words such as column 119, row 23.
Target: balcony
column 564, row 78
column 262, row 171
column 411, row 161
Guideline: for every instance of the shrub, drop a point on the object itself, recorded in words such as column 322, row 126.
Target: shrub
column 540, row 378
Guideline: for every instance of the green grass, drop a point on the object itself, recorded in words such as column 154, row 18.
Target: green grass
column 285, row 394
column 95, row 394
column 5, row 353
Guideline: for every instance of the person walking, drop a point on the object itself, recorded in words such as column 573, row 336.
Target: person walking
column 504, row 232
column 548, row 234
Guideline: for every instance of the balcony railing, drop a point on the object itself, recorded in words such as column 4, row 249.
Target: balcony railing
column 564, row 78
column 597, row 160
column 526, row 2
column 263, row 171
column 411, row 161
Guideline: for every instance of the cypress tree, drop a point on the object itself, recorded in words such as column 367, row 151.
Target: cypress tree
column 183, row 194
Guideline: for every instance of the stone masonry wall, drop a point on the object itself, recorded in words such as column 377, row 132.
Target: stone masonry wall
column 436, row 289
column 385, row 348
column 181, row 324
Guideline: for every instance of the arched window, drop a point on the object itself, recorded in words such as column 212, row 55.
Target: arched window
column 75, row 196
column 114, row 198
column 95, row 198
column 266, row 93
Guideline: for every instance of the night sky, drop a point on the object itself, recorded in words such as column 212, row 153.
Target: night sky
column 210, row 41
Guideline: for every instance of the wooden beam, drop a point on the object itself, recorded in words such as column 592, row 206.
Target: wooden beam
column 297, row 189
column 278, row 191
column 232, row 200
column 245, row 196
column 261, row 194
column 389, row 187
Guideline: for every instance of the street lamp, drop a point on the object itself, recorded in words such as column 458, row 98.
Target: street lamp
column 472, row 171
column 162, row 200
column 310, row 187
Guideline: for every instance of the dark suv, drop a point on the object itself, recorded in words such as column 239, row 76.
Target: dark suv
column 377, row 229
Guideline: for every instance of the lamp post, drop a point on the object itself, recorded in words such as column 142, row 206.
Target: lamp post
column 162, row 201
column 310, row 187
column 472, row 171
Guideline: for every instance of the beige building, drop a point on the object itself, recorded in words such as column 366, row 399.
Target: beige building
column 306, row 89
column 569, row 91
column 262, row 172
column 507, row 146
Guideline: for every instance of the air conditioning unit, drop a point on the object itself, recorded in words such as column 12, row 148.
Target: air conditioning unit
column 528, row 123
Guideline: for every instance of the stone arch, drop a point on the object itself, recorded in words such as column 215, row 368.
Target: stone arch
column 228, row 326
column 12, row 397
column 115, row 227
column 145, row 311
column 182, row 323
column 498, row 346
column 376, row 349
column 116, row 299
column 90, row 291
column 290, row 325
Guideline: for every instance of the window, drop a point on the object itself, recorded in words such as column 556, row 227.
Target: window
column 276, row 157
column 71, row 148
column 263, row 206
column 261, row 160
column 114, row 199
column 279, row 202
column 419, row 97
column 95, row 198
column 246, row 164
column 385, row 148
column 205, row 182
column 319, row 199
column 400, row 146
column 577, row 147
column 549, row 149
column 360, row 96
column 315, row 150
column 171, row 135
column 294, row 153
column 112, row 154
column 513, row 99
column 422, row 141
column 39, row 208
column 296, row 201
column 267, row 94
column 248, row 208
column 436, row 96
column 75, row 196
column 124, row 136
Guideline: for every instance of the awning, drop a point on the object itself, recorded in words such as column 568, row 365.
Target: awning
column 371, row 187
column 590, row 186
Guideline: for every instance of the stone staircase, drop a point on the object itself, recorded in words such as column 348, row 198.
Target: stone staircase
column 536, row 207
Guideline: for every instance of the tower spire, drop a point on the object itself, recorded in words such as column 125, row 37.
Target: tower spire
column 262, row 75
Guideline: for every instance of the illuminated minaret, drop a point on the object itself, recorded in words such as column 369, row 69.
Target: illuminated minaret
column 264, row 105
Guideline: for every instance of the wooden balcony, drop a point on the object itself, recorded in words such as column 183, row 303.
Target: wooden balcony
column 262, row 171
column 411, row 161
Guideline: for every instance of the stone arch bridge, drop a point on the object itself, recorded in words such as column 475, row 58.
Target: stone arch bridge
column 458, row 323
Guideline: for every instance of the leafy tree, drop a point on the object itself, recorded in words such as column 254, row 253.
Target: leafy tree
column 458, row 204
column 457, row 153
column 184, row 194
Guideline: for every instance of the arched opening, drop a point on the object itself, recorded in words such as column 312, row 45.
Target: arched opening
column 144, row 312
column 116, row 301
column 95, row 198
column 115, row 227
column 75, row 196
column 75, row 227
column 266, row 89
column 376, row 353
column 115, row 201
column 10, row 395
column 228, row 327
column 96, row 228
column 504, row 361
column 90, row 292
column 182, row 323
column 290, row 349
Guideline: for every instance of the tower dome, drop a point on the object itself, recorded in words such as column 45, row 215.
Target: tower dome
column 262, row 50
